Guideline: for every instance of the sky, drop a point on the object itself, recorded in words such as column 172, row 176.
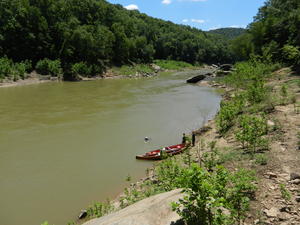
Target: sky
column 202, row 14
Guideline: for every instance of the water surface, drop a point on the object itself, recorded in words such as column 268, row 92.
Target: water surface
column 65, row 145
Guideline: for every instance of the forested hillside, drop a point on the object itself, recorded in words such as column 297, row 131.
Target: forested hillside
column 97, row 34
column 274, row 34
column 229, row 33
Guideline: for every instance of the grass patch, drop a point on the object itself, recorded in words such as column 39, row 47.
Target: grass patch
column 284, row 192
column 132, row 70
column 261, row 159
column 172, row 64
column 248, row 72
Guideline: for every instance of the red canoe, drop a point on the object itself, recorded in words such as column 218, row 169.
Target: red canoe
column 156, row 154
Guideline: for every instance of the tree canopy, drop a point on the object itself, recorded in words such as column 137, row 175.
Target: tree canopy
column 99, row 33
column 274, row 34
column 229, row 32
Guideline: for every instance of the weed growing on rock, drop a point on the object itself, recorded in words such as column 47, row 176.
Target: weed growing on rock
column 284, row 192
column 100, row 209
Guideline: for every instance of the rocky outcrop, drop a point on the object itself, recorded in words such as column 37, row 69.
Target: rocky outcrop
column 226, row 67
column 224, row 70
column 155, row 67
column 196, row 79
column 155, row 210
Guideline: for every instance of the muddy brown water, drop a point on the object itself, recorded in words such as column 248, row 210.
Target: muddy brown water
column 65, row 145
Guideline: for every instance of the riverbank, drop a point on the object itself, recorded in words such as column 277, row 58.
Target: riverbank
column 32, row 78
column 123, row 72
column 276, row 165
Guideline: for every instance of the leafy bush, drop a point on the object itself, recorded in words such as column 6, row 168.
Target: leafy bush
column 20, row 70
column 291, row 54
column 261, row 159
column 5, row 67
column 228, row 112
column 49, row 67
column 12, row 70
column 284, row 94
column 256, row 91
column 214, row 198
column 81, row 68
column 211, row 158
column 252, row 128
column 167, row 172
column 28, row 65
column 100, row 209
column 247, row 72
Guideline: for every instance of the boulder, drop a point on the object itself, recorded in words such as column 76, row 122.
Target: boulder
column 226, row 67
column 294, row 176
column 155, row 210
column 221, row 73
column 155, row 67
column 196, row 79
column 296, row 181
column 273, row 212
column 270, row 175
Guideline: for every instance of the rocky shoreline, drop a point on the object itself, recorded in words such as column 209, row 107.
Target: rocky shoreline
column 35, row 78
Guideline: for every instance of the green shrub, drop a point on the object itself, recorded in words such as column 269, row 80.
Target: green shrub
column 100, row 209
column 252, row 128
column 20, row 70
column 28, row 65
column 81, row 68
column 49, row 67
column 247, row 72
column 167, row 173
column 211, row 158
column 210, row 195
column 97, row 68
column 228, row 112
column 256, row 91
column 284, row 192
column 291, row 54
column 5, row 67
column 229, row 155
column 261, row 159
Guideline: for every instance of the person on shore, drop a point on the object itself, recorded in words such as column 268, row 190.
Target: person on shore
column 183, row 139
column 193, row 138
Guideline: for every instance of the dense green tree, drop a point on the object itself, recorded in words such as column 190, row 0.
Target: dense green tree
column 100, row 34
column 274, row 33
column 229, row 33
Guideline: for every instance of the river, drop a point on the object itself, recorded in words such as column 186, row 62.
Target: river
column 65, row 145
